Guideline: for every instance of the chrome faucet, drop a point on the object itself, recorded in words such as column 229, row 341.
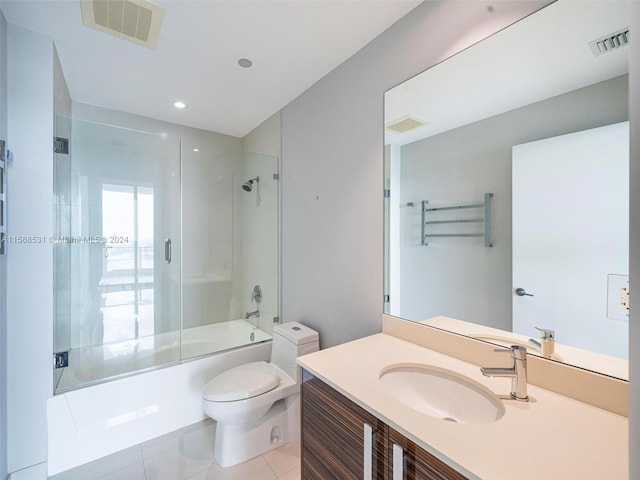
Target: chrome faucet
column 546, row 345
column 518, row 372
column 255, row 313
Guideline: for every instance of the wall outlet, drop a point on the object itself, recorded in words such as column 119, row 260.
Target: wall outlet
column 618, row 297
column 624, row 298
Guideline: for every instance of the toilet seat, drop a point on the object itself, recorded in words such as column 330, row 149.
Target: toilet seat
column 242, row 382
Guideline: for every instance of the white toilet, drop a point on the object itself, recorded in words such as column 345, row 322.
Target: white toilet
column 257, row 405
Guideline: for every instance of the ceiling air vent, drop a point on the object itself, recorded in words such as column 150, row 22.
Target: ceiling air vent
column 404, row 124
column 610, row 42
column 138, row 21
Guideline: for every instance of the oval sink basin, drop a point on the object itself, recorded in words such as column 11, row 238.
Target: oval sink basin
column 441, row 393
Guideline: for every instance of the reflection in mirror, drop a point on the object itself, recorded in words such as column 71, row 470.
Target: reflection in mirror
column 506, row 168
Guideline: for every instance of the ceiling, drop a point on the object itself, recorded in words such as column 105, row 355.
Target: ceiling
column 543, row 55
column 292, row 45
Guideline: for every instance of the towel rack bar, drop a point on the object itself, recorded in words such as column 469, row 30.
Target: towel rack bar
column 485, row 220
column 470, row 220
column 455, row 207
column 454, row 235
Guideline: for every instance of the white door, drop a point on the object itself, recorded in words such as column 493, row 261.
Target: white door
column 570, row 234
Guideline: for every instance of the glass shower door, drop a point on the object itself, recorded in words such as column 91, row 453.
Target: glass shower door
column 123, row 310
column 230, row 234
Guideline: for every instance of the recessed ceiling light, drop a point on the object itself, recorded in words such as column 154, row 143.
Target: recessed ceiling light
column 179, row 104
column 245, row 62
column 196, row 149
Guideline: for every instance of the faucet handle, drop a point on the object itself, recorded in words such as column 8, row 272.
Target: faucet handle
column 518, row 352
column 545, row 333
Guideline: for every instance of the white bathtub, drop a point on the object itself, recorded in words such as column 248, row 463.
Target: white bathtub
column 216, row 337
column 96, row 363
column 91, row 422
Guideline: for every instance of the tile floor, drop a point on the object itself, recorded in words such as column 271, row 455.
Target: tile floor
column 186, row 454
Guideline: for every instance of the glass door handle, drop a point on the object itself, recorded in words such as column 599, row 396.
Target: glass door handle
column 167, row 250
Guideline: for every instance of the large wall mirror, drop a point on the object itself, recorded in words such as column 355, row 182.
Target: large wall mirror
column 507, row 188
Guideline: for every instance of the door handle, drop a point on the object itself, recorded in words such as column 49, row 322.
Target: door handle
column 368, row 456
column 398, row 462
column 521, row 292
column 167, row 250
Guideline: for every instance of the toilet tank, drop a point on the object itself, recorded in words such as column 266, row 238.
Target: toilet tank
column 291, row 340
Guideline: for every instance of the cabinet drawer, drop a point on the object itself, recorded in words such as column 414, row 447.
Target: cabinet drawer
column 333, row 435
column 418, row 463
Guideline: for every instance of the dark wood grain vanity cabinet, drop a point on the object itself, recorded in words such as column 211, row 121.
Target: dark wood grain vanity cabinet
column 417, row 463
column 333, row 436
column 342, row 441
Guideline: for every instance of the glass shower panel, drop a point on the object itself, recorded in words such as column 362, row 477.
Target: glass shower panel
column 62, row 250
column 230, row 246
column 123, row 314
column 128, row 259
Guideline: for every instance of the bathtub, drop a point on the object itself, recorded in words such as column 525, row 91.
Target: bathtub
column 101, row 363
column 91, row 422
column 197, row 341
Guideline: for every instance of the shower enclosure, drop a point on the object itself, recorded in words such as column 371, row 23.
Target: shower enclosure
column 157, row 250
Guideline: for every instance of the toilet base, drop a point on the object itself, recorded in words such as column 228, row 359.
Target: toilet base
column 237, row 443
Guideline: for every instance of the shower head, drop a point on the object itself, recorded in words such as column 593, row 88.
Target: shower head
column 248, row 185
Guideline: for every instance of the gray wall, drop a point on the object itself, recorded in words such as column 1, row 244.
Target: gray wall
column 478, row 160
column 332, row 158
column 634, row 242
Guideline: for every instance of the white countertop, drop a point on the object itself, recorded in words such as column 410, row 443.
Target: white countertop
column 550, row 437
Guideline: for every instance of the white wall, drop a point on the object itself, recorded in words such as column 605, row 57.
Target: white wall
column 332, row 157
column 265, row 138
column 634, row 242
column 29, row 267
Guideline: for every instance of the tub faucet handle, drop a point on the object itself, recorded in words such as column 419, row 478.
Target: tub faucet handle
column 256, row 294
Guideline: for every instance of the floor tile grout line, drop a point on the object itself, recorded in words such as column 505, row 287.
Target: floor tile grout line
column 269, row 466
column 174, row 436
column 109, row 471
column 177, row 445
column 298, row 467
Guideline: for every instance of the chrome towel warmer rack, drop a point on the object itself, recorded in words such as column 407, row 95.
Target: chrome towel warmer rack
column 485, row 220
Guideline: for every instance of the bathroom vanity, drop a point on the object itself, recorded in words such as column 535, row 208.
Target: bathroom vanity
column 355, row 427
column 336, row 431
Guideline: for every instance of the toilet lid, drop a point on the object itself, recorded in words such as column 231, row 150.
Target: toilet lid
column 242, row 382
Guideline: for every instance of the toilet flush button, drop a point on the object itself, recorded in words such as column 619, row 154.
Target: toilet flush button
column 296, row 328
